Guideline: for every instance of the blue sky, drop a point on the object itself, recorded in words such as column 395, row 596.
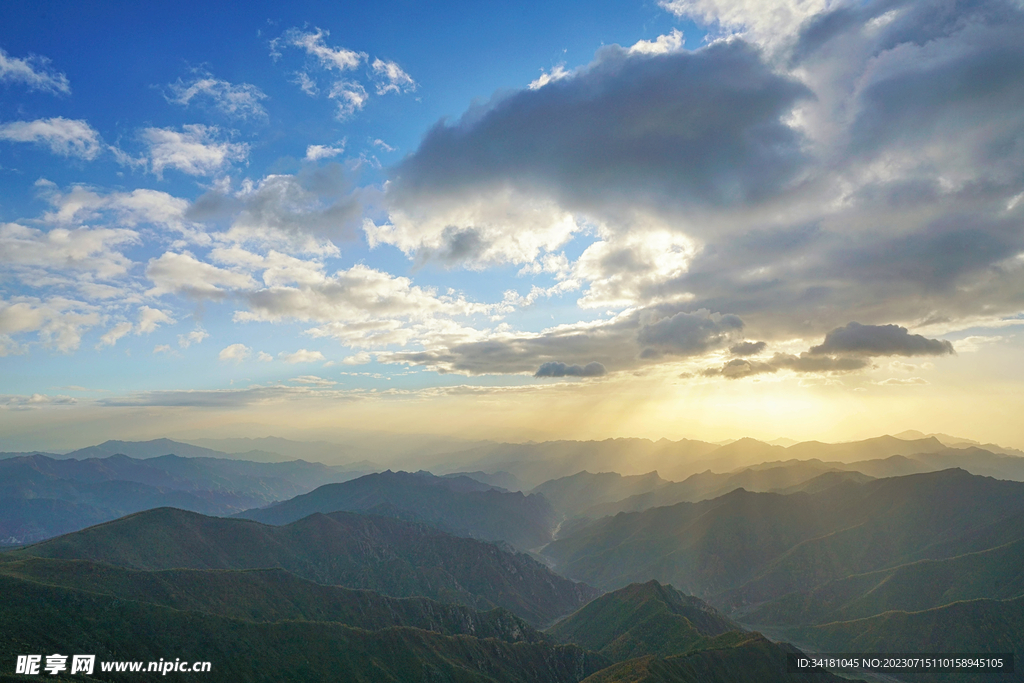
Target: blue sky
column 277, row 209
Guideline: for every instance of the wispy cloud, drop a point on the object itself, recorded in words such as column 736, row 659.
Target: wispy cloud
column 391, row 78
column 350, row 96
column 317, row 152
column 33, row 71
column 241, row 101
column 338, row 59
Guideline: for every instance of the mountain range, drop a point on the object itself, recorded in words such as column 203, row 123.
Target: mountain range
column 745, row 548
column 41, row 496
column 459, row 505
column 390, row 556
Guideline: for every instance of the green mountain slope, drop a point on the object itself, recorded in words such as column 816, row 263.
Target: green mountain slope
column 746, row 548
column 40, row 618
column 270, row 595
column 970, row 627
column 642, row 619
column 393, row 557
column 996, row 573
column 735, row 657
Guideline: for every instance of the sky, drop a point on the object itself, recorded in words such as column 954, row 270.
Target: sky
column 687, row 218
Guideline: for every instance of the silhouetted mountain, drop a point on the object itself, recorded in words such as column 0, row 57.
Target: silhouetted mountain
column 42, row 618
column 735, row 657
column 458, row 505
column 157, row 447
column 868, row 449
column 392, row 557
column 356, row 445
column 996, row 573
column 571, row 495
column 745, row 548
column 93, row 490
column 535, row 463
column 789, row 476
column 642, row 619
column 709, row 484
column 501, row 480
column 825, row 481
column 959, row 442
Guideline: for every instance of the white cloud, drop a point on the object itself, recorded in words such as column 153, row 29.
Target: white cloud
column 9, row 347
column 151, row 318
column 670, row 42
column 238, row 101
column 339, row 59
column 194, row 150
column 361, row 358
column 351, row 97
column 556, row 74
column 901, row 382
column 383, row 145
column 492, row 226
column 196, row 336
column 33, row 71
column 317, row 152
column 974, row 343
column 113, row 334
column 760, row 20
column 391, row 78
column 313, row 381
column 161, row 348
column 67, row 137
column 357, row 294
column 235, row 352
column 629, row 267
column 306, row 84
column 185, row 274
column 82, row 204
column 264, row 357
column 58, row 322
column 9, row 402
column 83, row 250
column 301, row 356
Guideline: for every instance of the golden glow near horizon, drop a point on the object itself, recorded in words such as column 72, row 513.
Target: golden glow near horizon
column 951, row 400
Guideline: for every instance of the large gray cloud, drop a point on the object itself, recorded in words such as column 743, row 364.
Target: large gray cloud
column 805, row 363
column 748, row 348
column 626, row 342
column 885, row 186
column 880, row 340
column 698, row 126
column 687, row 334
column 558, row 369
